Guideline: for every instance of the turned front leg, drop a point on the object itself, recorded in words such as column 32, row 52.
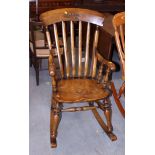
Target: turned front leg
column 108, row 114
column 54, row 122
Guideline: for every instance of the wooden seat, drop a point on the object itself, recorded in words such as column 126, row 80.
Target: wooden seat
column 119, row 27
column 83, row 76
column 80, row 90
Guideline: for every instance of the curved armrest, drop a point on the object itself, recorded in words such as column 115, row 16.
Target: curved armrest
column 103, row 61
column 110, row 67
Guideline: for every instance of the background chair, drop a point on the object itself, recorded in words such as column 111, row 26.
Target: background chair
column 119, row 27
column 79, row 79
column 38, row 46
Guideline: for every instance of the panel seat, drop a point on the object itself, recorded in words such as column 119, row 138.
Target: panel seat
column 78, row 90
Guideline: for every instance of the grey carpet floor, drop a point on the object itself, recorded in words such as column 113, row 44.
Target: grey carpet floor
column 78, row 133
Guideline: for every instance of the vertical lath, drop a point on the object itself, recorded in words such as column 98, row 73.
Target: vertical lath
column 72, row 47
column 48, row 39
column 122, row 36
column 51, row 65
column 94, row 58
column 65, row 48
column 80, row 48
column 58, row 49
column 118, row 43
column 87, row 49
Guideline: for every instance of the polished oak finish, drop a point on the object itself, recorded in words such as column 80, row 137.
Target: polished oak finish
column 119, row 26
column 78, row 78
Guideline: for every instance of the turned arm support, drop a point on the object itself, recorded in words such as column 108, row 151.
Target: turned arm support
column 103, row 61
column 51, row 65
column 109, row 68
column 52, row 71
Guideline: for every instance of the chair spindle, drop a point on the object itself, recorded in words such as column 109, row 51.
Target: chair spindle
column 118, row 43
column 122, row 36
column 48, row 39
column 94, row 58
column 58, row 49
column 87, row 49
column 72, row 47
column 65, row 48
column 80, row 48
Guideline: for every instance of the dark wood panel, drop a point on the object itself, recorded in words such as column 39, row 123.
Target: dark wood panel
column 99, row 5
column 105, row 6
column 46, row 5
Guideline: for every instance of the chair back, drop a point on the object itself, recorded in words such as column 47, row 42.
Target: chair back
column 78, row 62
column 37, row 37
column 119, row 26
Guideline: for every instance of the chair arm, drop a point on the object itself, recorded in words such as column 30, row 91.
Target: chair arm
column 110, row 67
column 103, row 61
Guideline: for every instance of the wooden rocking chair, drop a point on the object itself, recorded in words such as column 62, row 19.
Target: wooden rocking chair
column 119, row 26
column 79, row 80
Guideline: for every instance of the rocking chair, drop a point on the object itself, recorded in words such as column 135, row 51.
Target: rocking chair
column 119, row 26
column 79, row 79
